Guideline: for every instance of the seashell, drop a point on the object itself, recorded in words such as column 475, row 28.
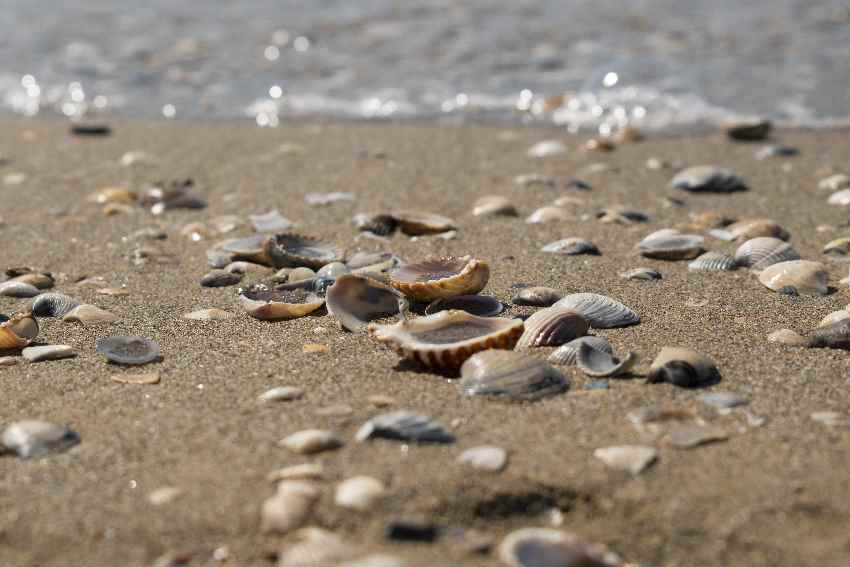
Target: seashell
column 707, row 179
column 291, row 250
column 751, row 228
column 545, row 547
column 332, row 270
column 448, row 338
column 683, row 367
column 311, row 441
column 88, row 314
column 485, row 458
column 48, row 352
column 41, row 280
column 537, row 296
column 646, row 274
column 836, row 335
column 18, row 331
column 380, row 224
column 706, row 220
column 834, row 317
column 571, row 247
column 212, row 314
column 439, row 277
column 752, row 130
column 552, row 326
column 217, row 258
column 620, row 215
column 510, row 375
column 568, row 354
column 226, row 223
column 532, row 179
column 290, row 507
column 137, row 157
column 835, row 182
column 763, row 251
column 690, row 436
column 271, row 221
column 173, row 195
column 668, row 245
column 494, row 205
column 547, row 214
column 547, row 148
column 355, row 300
column 18, row 289
column 480, row 305
column 787, row 337
column 244, row 268
column 633, row 459
column 359, row 493
column 838, row 249
column 327, row 198
column 567, row 200
column 287, row 303
column 300, row 275
column 772, row 151
column 128, row 350
column 601, row 311
column 599, row 144
column 249, row 249
column 414, row 223
column 220, row 278
column 404, row 425
column 713, row 262
column 372, row 261
column 804, row 276
column 840, row 198
column 600, row 363
column 53, row 305
column 32, row 438
column 578, row 184
column 107, row 195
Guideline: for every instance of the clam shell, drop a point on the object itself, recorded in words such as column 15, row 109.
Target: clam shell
column 41, row 280
column 355, row 300
column 787, row 337
column 332, row 270
column 220, row 278
column 494, row 205
column 448, row 338
column 440, row 277
column 713, row 262
column 414, row 223
column 18, row 289
column 708, row 179
column 835, row 182
column 671, row 245
column 510, row 375
column 646, row 274
column 751, row 228
column 545, row 547
column 53, row 305
column 287, row 303
column 601, row 311
column 571, row 247
column 836, row 335
column 404, row 425
column 128, row 350
column 17, row 332
column 804, row 276
column 838, row 249
column 88, row 314
column 480, row 305
column 568, row 354
column 537, row 296
column 840, row 198
column 552, row 326
column 292, row 250
column 250, row 249
column 600, row 363
column 683, row 367
column 547, row 214
column 763, row 251
column 380, row 224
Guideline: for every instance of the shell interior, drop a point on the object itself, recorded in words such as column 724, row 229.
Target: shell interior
column 355, row 300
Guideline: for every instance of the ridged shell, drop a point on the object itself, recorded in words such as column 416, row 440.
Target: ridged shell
column 547, row 214
column 404, row 425
column 683, row 367
column 838, row 249
column 494, row 205
column 355, row 300
column 571, row 247
column 645, row 274
column 290, row 302
column 292, row 250
column 600, row 363
column 510, row 375
column 545, row 547
column 671, row 245
column 18, row 289
column 537, row 296
column 763, row 251
column 835, row 336
column 568, row 354
column 480, row 305
column 413, row 223
column 708, row 179
column 447, row 339
column 439, row 277
column 552, row 326
column 713, row 262
column 804, row 276
column 601, row 311
column 53, row 305
column 840, row 198
column 19, row 331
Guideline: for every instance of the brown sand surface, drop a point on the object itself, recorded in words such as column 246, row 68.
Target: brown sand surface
column 775, row 495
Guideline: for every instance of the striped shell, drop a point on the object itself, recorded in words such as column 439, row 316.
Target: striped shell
column 552, row 326
column 763, row 251
column 713, row 262
column 803, row 276
column 19, row 331
column 510, row 375
column 438, row 277
column 669, row 244
column 601, row 311
column 568, row 353
column 448, row 338
column 571, row 247
column 53, row 305
column 599, row 363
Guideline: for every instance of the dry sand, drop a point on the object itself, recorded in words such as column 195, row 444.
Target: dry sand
column 774, row 495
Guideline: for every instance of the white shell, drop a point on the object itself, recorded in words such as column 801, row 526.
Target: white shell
column 806, row 277
column 571, row 247
column 601, row 311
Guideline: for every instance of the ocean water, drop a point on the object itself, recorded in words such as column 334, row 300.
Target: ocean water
column 585, row 64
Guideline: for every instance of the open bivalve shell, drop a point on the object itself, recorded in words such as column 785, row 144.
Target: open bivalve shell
column 438, row 277
column 568, row 353
column 600, row 363
column 552, row 326
column 19, row 331
column 448, row 338
column 355, row 300
column 601, row 311
column 292, row 250
column 284, row 302
column 683, row 367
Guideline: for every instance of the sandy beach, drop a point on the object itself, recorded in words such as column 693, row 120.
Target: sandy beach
column 772, row 494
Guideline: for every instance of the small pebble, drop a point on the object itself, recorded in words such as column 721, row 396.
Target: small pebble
column 209, row 315
column 305, row 471
column 311, row 441
column 282, row 394
column 48, row 352
column 690, row 436
column 147, row 378
column 485, row 458
column 633, row 459
column 723, row 400
column 359, row 493
column 289, row 508
column 164, row 495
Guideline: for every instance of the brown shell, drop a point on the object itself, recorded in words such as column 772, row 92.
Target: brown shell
column 18, row 331
column 439, row 277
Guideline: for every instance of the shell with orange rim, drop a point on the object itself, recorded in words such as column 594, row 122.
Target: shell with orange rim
column 439, row 277
column 18, row 332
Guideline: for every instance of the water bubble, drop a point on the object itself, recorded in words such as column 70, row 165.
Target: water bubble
column 610, row 79
column 169, row 111
column 28, row 81
column 275, row 91
column 271, row 53
column 301, row 43
column 280, row 37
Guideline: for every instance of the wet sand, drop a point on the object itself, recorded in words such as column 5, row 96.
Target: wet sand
column 773, row 495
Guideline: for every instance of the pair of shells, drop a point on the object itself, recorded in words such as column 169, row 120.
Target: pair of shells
column 440, row 277
column 19, row 331
column 764, row 251
column 670, row 244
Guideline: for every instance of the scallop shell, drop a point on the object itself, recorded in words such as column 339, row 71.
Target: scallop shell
column 19, row 331
column 545, row 547
column 414, row 223
column 836, row 335
column 448, row 338
column 840, row 198
column 547, row 214
column 751, row 228
column 292, row 250
column 355, row 300
column 510, row 375
column 671, row 245
column 713, row 262
column 601, row 311
column 838, row 249
column 763, row 251
column 439, row 277
column 494, row 205
column 380, row 224
column 128, row 350
column 18, row 289
column 537, row 296
column 707, row 179
column 646, row 274
column 480, row 305
column 600, row 363
column 568, row 354
column 683, row 367
column 53, row 305
column 571, row 247
column 290, row 302
column 804, row 276
column 552, row 326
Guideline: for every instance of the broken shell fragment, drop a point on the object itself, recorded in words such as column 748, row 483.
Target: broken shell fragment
column 803, row 276
column 683, row 367
column 355, row 300
column 448, row 338
column 480, row 305
column 713, row 262
column 510, row 375
column 787, row 337
column 601, row 311
column 89, row 314
column 668, row 244
column 763, row 251
column 645, row 274
column 571, row 247
column 746, row 229
column 414, row 223
column 128, row 350
column 537, row 296
column 708, row 179
column 404, row 425
column 547, row 214
column 838, row 249
column 836, row 335
column 291, row 250
column 53, row 305
column 600, row 363
column 568, row 354
column 285, row 302
column 19, row 331
column 440, row 277
column 491, row 205
column 552, row 326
